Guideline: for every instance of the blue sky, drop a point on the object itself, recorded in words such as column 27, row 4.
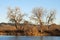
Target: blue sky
column 27, row 5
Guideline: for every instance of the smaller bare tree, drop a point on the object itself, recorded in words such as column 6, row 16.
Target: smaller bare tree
column 51, row 17
column 15, row 15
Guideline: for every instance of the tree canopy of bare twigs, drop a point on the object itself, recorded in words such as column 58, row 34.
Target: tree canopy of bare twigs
column 51, row 16
column 15, row 15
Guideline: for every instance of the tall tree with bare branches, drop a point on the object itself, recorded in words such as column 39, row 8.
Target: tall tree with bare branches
column 15, row 15
column 37, row 15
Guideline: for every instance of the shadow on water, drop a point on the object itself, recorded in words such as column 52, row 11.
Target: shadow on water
column 29, row 38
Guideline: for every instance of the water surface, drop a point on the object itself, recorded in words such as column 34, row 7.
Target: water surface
column 29, row 38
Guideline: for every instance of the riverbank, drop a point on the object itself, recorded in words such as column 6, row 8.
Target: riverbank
column 31, row 30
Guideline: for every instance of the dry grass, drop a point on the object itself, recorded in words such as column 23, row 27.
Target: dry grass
column 28, row 31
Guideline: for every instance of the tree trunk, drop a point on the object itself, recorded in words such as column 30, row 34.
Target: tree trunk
column 41, row 27
column 16, row 24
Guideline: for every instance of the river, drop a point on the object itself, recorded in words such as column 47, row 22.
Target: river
column 29, row 38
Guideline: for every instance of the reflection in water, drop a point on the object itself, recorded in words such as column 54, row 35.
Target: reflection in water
column 28, row 38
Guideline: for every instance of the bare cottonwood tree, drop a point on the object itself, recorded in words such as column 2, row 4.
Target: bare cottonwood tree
column 15, row 15
column 37, row 15
column 51, row 17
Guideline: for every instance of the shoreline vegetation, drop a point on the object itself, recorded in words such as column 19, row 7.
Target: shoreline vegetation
column 32, row 30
